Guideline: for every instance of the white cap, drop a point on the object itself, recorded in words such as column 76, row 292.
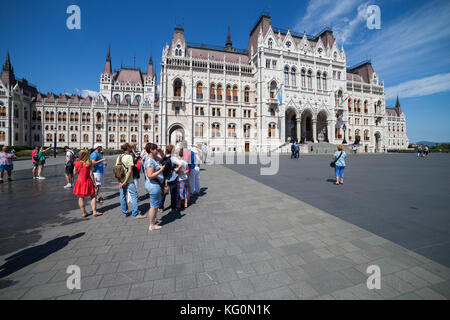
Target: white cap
column 97, row 145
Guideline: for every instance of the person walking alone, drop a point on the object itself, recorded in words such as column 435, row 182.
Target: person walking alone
column 339, row 164
column 85, row 183
column 6, row 163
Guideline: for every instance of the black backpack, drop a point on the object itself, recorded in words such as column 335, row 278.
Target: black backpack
column 168, row 167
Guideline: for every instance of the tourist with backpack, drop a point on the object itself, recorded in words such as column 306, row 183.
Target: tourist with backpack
column 339, row 164
column 171, row 165
column 123, row 171
column 182, row 179
column 68, row 170
column 41, row 161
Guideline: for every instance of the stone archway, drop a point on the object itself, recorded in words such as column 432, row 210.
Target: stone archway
column 307, row 126
column 291, row 125
column 322, row 127
column 176, row 134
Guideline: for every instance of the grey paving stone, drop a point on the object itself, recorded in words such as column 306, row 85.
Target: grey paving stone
column 426, row 275
column 118, row 292
column 163, row 286
column 330, row 282
column 429, row 294
column 96, row 294
column 270, row 280
column 46, row 291
column 186, row 282
column 442, row 288
column 110, row 267
column 303, row 290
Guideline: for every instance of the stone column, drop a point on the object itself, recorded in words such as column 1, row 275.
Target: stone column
column 314, row 130
column 299, row 129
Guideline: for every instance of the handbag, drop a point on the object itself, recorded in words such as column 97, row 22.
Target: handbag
column 333, row 163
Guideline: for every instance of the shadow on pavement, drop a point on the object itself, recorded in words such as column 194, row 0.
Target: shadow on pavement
column 31, row 255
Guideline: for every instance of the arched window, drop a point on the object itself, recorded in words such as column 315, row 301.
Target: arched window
column 128, row 99
column 215, row 130
column 146, row 119
column 235, row 94
column 349, row 105
column 247, row 94
column 64, row 116
column 212, row 92
column 366, row 135
column 83, row 117
column 47, row 116
column 231, row 130
column 138, row 99
column 88, row 117
column 49, row 137
column 293, row 77
column 247, row 128
column 111, row 138
column 59, row 116
column 177, row 88
column 270, row 43
column 272, row 130
column 366, row 110
column 122, row 138
column 2, row 136
column 72, row 117
column 199, row 91
column 98, row 138
column 324, row 81
column 219, row 92
column 117, row 98
column 85, row 138
column 99, row 117
column 199, row 129
column 62, row 138
column 133, row 138
column 125, row 118
column 319, row 86
column 309, row 75
column 286, row 75
column 303, row 78
column 228, row 93
column 146, row 140
column 73, row 138
column 39, row 115
column 273, row 89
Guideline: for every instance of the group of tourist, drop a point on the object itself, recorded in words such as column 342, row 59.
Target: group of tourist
column 423, row 152
column 175, row 171
column 295, row 150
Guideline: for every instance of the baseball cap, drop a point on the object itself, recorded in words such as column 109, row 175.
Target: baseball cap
column 97, row 145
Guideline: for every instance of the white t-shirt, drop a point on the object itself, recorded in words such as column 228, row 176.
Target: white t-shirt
column 182, row 172
column 69, row 156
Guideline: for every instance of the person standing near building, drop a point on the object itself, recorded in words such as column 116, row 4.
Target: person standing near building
column 153, row 182
column 84, row 186
column 41, row 157
column 6, row 163
column 297, row 150
column 68, row 170
column 339, row 164
column 182, row 186
column 97, row 162
column 194, row 175
column 35, row 161
column 126, row 183
column 293, row 150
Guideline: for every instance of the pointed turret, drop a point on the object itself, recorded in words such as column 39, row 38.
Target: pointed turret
column 228, row 43
column 7, row 76
column 398, row 109
column 108, row 69
column 150, row 64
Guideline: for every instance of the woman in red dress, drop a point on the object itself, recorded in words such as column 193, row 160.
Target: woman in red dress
column 85, row 183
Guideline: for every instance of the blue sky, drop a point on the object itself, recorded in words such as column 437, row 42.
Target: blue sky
column 410, row 52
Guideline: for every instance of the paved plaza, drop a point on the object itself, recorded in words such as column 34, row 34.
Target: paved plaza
column 289, row 236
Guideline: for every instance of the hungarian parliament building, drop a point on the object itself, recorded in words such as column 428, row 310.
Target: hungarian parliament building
column 284, row 87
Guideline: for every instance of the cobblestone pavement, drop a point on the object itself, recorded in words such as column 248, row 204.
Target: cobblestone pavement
column 239, row 240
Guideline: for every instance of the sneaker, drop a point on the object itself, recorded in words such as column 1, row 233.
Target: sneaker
column 40, row 178
column 67, row 186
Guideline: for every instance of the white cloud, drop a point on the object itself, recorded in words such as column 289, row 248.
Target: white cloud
column 415, row 38
column 84, row 93
column 420, row 87
column 339, row 15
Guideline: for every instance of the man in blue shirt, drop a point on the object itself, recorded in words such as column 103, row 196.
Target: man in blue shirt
column 97, row 162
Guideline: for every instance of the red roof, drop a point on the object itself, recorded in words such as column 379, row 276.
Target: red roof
column 130, row 75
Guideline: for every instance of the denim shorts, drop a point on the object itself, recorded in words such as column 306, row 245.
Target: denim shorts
column 339, row 171
column 155, row 195
column 6, row 167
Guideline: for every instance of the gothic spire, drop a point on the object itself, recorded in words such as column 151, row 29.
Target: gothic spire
column 7, row 65
column 7, row 75
column 228, row 43
column 108, row 69
column 150, row 64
